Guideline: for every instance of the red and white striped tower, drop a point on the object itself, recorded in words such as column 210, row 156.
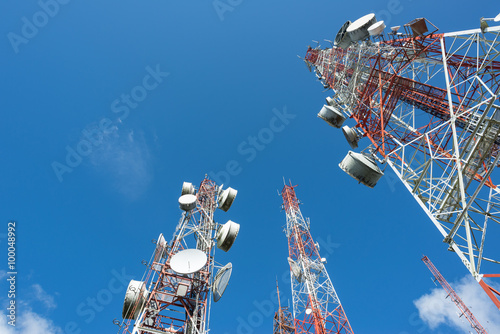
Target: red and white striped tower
column 428, row 105
column 174, row 295
column 283, row 319
column 464, row 310
column 316, row 306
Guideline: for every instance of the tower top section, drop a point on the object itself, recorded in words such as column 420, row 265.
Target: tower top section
column 290, row 201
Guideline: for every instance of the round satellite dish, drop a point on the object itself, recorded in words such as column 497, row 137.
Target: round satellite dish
column 226, row 198
column 187, row 202
column 308, row 311
column 188, row 261
column 295, row 268
column 395, row 29
column 342, row 40
column 497, row 18
column 227, row 234
column 332, row 116
column 161, row 244
column 221, row 280
column 377, row 28
column 187, row 188
column 361, row 167
column 135, row 299
column 351, row 136
column 358, row 30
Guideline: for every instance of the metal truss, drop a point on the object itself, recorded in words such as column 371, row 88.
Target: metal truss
column 180, row 303
column 316, row 306
column 283, row 318
column 429, row 106
column 464, row 310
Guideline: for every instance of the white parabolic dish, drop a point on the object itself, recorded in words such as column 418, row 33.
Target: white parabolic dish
column 296, row 271
column 358, row 30
column 376, row 28
column 187, row 202
column 221, row 281
column 187, row 188
column 227, row 234
column 359, row 23
column 188, row 261
column 135, row 299
column 226, row 198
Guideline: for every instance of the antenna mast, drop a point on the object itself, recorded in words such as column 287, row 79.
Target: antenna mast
column 454, row 297
column 174, row 296
column 283, row 320
column 316, row 306
column 428, row 105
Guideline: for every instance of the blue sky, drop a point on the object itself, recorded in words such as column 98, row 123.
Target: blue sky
column 170, row 91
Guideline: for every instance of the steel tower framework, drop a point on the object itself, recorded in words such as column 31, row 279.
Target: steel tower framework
column 316, row 306
column 454, row 297
column 428, row 103
column 177, row 302
column 283, row 319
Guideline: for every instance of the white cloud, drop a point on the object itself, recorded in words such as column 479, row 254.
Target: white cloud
column 43, row 296
column 124, row 156
column 437, row 310
column 28, row 322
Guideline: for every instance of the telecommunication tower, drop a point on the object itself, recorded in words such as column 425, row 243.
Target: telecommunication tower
column 175, row 293
column 464, row 310
column 283, row 319
column 316, row 306
column 427, row 102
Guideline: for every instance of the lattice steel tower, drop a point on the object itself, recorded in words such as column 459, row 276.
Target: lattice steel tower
column 283, row 319
column 464, row 310
column 174, row 295
column 316, row 306
column 428, row 104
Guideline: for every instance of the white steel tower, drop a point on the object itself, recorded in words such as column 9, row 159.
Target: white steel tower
column 175, row 293
column 428, row 104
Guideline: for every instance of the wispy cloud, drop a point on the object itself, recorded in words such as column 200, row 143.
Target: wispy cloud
column 437, row 310
column 28, row 322
column 124, row 157
column 43, row 296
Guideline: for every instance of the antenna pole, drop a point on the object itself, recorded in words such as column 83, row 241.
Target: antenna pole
column 464, row 310
column 283, row 321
